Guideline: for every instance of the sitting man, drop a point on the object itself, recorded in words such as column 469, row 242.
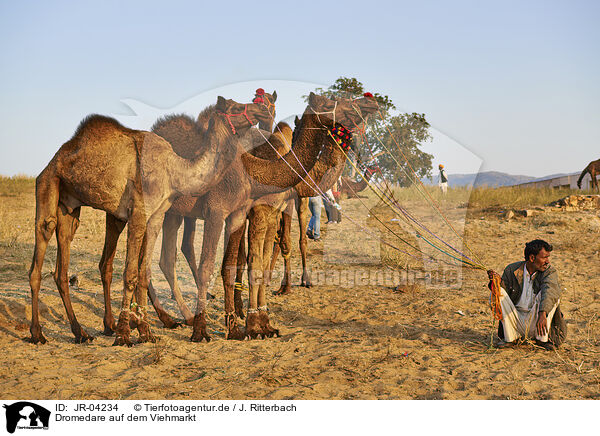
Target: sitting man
column 530, row 297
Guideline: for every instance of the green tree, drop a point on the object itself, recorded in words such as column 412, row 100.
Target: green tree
column 393, row 141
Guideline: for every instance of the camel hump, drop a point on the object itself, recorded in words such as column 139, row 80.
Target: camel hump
column 99, row 121
column 182, row 132
column 173, row 121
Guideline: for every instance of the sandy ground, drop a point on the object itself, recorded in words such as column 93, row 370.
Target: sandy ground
column 351, row 336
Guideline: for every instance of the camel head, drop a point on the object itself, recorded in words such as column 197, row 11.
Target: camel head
column 268, row 100
column 241, row 117
column 348, row 113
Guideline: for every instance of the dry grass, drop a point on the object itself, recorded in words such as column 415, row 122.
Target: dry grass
column 485, row 197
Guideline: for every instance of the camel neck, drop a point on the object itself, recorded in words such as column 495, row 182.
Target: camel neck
column 269, row 177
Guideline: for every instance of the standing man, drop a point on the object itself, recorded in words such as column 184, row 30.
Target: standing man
column 443, row 183
column 314, row 225
column 529, row 298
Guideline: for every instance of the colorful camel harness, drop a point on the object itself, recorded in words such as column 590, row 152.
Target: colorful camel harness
column 341, row 136
column 261, row 97
column 245, row 113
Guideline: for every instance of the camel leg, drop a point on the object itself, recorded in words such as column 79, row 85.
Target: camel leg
column 272, row 216
column 46, row 205
column 168, row 258
column 114, row 228
column 162, row 314
column 241, row 260
column 213, row 226
column 234, row 232
column 257, row 229
column 187, row 248
column 66, row 227
column 153, row 227
column 135, row 234
column 302, row 210
column 286, row 250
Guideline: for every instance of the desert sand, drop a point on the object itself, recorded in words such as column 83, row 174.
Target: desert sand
column 353, row 335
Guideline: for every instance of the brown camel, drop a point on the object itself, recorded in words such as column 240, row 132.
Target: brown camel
column 134, row 176
column 593, row 168
column 248, row 178
column 184, row 134
column 283, row 243
column 333, row 118
column 224, row 202
column 350, row 188
column 312, row 137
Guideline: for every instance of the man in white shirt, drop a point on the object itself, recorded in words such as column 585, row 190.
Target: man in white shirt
column 530, row 297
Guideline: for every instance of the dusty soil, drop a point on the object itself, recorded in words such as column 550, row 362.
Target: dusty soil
column 351, row 336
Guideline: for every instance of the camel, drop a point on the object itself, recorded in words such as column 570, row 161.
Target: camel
column 235, row 222
column 333, row 118
column 351, row 188
column 283, row 243
column 248, row 178
column 184, row 134
column 134, row 176
column 593, row 168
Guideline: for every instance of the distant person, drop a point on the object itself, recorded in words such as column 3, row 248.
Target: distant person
column 314, row 225
column 332, row 207
column 530, row 298
column 443, row 183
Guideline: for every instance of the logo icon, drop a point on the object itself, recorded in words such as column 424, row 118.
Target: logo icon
column 26, row 415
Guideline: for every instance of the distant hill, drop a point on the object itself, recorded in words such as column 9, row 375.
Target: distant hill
column 490, row 178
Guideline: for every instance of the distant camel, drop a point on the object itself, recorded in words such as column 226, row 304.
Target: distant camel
column 134, row 176
column 593, row 169
column 351, row 188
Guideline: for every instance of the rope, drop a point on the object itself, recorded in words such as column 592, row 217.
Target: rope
column 384, row 200
column 432, row 202
column 228, row 116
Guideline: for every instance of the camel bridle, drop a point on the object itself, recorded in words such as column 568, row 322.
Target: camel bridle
column 228, row 116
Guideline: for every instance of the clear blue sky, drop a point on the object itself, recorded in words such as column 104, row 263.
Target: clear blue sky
column 516, row 83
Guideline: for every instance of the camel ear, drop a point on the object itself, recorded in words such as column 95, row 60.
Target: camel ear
column 296, row 121
column 274, row 96
column 221, row 103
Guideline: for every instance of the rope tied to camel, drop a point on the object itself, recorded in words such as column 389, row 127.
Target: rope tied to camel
column 240, row 286
column 245, row 113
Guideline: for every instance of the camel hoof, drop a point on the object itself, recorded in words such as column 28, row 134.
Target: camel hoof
column 110, row 327
column 235, row 334
column 265, row 325
column 284, row 290
column 199, row 337
column 121, row 340
column 83, row 337
column 171, row 324
column 145, row 333
column 199, row 332
column 38, row 339
column 253, row 328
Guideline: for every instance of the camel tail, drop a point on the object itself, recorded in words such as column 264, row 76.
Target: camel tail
column 582, row 175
